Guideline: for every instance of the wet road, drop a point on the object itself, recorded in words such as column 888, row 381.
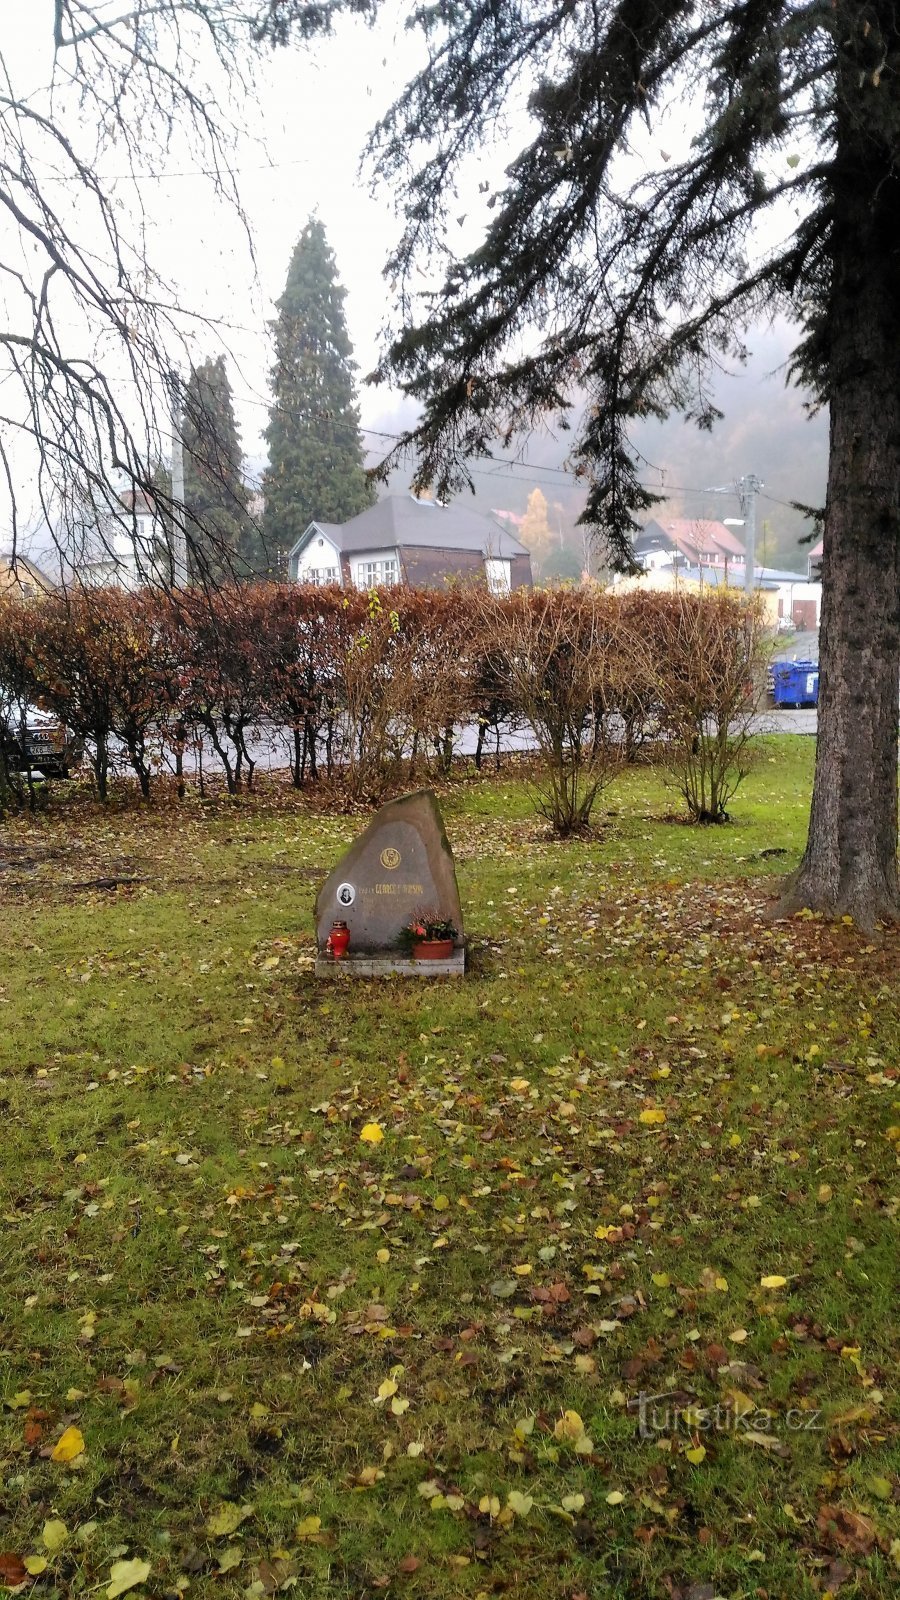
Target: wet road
column 270, row 749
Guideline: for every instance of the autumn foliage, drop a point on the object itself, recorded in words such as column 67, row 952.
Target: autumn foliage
column 370, row 690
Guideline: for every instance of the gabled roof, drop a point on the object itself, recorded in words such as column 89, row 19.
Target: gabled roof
column 400, row 520
column 14, row 569
column 691, row 535
column 704, row 535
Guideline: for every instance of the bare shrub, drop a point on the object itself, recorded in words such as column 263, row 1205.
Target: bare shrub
column 371, row 664
column 223, row 674
column 555, row 652
column 707, row 651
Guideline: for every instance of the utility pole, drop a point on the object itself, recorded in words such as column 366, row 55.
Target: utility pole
column 179, row 534
column 750, row 487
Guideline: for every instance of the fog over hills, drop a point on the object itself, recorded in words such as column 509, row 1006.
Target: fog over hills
column 764, row 429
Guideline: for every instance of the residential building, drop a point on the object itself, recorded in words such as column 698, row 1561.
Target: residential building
column 122, row 549
column 688, row 542
column 402, row 539
column 22, row 577
column 788, row 598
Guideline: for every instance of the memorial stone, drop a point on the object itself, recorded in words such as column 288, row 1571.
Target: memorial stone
column 401, row 864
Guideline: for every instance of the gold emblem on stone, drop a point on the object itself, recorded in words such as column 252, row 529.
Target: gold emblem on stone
column 390, row 858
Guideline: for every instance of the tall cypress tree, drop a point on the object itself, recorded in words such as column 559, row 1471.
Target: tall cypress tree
column 315, row 450
column 223, row 540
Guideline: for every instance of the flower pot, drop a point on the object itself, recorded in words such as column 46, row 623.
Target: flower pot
column 338, row 940
column 432, row 949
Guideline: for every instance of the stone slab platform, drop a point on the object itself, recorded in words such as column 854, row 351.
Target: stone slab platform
column 371, row 964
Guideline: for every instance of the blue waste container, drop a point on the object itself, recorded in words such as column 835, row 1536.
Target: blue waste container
column 795, row 683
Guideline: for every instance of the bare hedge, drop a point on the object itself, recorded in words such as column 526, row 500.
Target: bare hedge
column 367, row 690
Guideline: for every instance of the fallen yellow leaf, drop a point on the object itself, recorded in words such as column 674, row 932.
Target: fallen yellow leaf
column 569, row 1426
column 652, row 1116
column 227, row 1519
column 69, row 1445
column 372, row 1133
column 54, row 1534
column 126, row 1575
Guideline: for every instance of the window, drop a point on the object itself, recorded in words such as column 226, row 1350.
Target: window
column 377, row 574
column 321, row 576
column 498, row 575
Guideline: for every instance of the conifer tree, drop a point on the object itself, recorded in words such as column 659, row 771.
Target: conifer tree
column 222, row 540
column 315, row 451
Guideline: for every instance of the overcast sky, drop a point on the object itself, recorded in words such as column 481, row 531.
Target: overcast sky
column 303, row 128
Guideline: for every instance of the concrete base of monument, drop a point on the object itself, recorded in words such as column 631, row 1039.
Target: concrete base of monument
column 386, row 964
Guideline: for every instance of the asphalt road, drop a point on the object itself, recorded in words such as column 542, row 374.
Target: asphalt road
column 270, row 749
column 797, row 647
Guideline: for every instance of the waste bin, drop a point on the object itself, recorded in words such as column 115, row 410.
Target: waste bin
column 795, row 683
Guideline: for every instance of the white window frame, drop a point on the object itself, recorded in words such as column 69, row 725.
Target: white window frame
column 378, row 574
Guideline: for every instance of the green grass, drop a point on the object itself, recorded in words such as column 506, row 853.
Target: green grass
column 209, row 1274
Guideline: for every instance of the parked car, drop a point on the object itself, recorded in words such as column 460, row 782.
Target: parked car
column 40, row 743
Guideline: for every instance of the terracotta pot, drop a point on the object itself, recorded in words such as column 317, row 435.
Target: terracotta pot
column 432, row 949
column 338, row 941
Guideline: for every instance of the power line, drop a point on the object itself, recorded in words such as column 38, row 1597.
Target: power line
column 190, row 172
column 665, row 490
column 788, row 504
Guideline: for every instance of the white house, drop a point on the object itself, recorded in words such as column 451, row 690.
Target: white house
column 402, row 539
column 120, row 549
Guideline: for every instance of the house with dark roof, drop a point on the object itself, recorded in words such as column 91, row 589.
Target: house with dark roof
column 402, row 539
column 687, row 541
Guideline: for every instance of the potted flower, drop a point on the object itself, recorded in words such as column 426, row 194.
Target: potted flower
column 429, row 936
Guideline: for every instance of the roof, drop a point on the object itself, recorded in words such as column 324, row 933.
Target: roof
column 137, row 501
column 781, row 576
column 16, row 568
column 692, row 534
column 400, row 520
column 701, row 534
column 717, row 578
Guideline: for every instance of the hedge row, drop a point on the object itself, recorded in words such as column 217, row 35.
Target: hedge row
column 365, row 688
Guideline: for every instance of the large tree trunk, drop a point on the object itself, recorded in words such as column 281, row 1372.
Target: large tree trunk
column 850, row 864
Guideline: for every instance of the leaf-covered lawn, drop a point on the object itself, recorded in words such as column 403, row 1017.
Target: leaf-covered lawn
column 650, row 1145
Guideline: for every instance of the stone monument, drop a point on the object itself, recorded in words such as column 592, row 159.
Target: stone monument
column 400, row 865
